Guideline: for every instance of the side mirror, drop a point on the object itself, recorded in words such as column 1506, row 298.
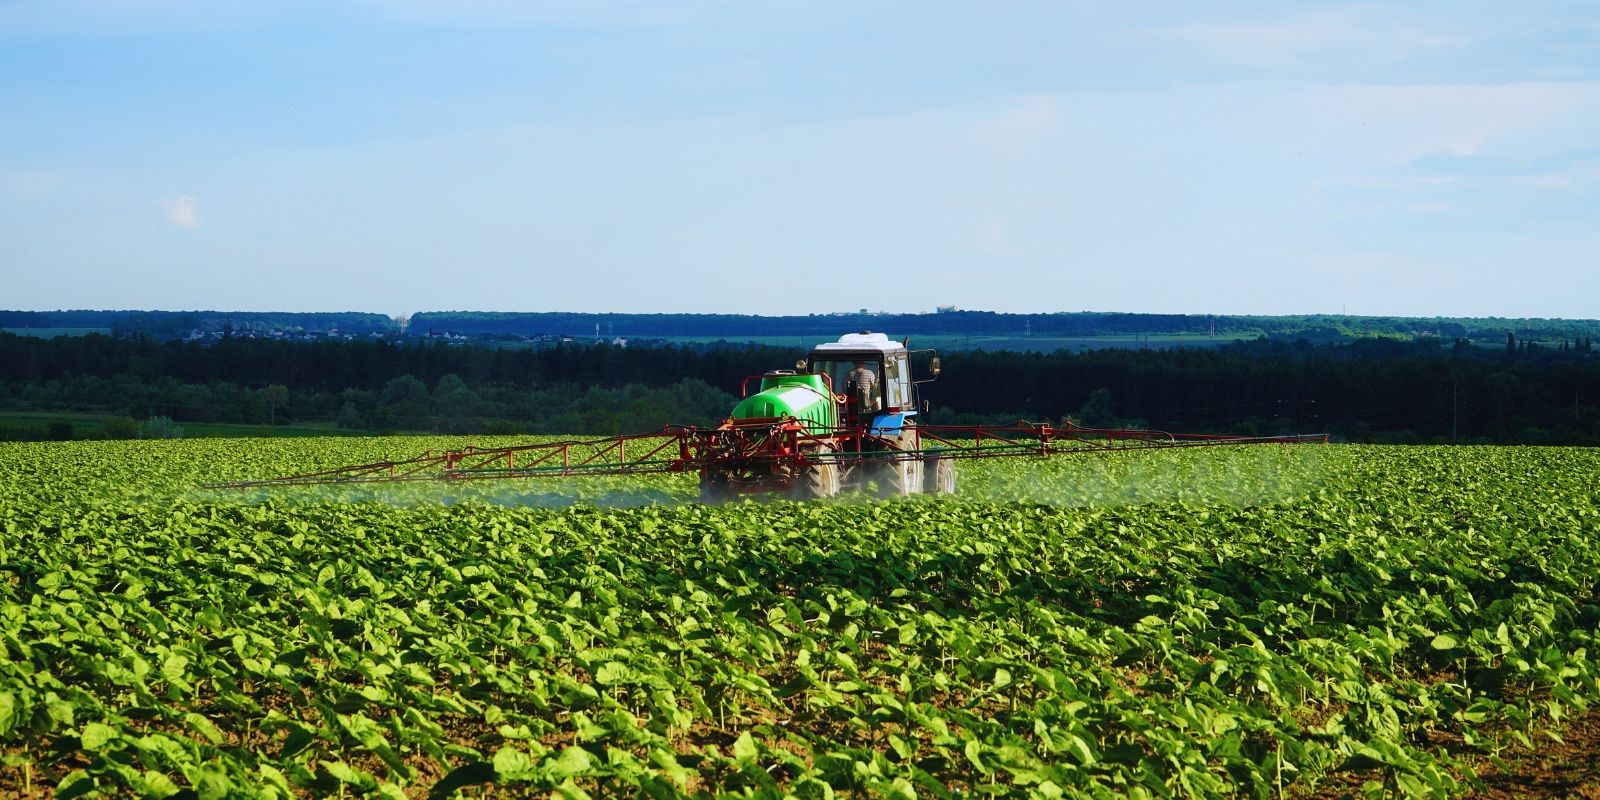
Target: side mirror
column 800, row 365
column 933, row 367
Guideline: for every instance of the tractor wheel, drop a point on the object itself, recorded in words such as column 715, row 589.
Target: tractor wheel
column 819, row 481
column 900, row 478
column 714, row 489
column 939, row 476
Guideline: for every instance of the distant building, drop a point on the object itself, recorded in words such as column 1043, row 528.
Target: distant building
column 944, row 309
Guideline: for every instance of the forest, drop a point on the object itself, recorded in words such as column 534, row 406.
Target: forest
column 1374, row 390
column 744, row 327
column 179, row 324
column 1315, row 327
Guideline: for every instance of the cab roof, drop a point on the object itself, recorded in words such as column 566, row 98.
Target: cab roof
column 865, row 341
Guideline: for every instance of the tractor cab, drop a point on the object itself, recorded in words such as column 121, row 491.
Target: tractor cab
column 873, row 374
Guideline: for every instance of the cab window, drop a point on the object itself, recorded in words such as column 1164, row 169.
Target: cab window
column 896, row 387
column 838, row 373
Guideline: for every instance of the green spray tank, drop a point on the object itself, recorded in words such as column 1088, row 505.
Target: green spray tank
column 786, row 394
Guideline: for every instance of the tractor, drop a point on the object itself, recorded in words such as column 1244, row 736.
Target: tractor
column 845, row 418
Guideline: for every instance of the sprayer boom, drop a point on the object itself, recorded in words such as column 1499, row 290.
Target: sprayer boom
column 756, row 455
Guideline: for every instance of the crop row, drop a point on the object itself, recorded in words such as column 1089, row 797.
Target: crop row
column 1230, row 621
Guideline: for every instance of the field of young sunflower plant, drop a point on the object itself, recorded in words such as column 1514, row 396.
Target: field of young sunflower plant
column 1254, row 621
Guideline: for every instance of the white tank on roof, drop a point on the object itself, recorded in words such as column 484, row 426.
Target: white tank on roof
column 856, row 342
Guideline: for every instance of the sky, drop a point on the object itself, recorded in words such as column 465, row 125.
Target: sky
column 1424, row 158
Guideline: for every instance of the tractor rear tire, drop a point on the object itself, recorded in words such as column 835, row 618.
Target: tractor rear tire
column 939, row 476
column 714, row 489
column 900, row 478
column 819, row 481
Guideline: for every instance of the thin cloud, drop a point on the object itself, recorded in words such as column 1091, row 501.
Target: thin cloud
column 181, row 211
column 1404, row 123
column 622, row 13
column 1427, row 208
column 1575, row 176
column 1399, row 184
column 1325, row 35
column 1025, row 121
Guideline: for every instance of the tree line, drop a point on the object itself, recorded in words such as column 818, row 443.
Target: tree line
column 738, row 327
column 178, row 324
column 1369, row 390
column 1323, row 327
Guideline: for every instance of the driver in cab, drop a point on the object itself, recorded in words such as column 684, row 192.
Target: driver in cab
column 863, row 379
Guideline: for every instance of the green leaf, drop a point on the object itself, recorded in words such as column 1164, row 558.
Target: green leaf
column 1444, row 641
column 175, row 667
column 1080, row 749
column 573, row 761
column 159, row 785
column 61, row 712
column 974, row 752
column 211, row 782
column 898, row 789
column 511, row 764
column 902, row 748
column 392, row 792
column 1002, row 678
column 341, row 771
column 667, row 761
column 611, row 673
column 470, row 774
column 299, row 738
column 76, row 784
column 744, row 748
column 8, row 712
column 204, row 727
column 96, row 736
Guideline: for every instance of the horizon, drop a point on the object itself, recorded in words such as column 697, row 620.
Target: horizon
column 1258, row 159
column 409, row 314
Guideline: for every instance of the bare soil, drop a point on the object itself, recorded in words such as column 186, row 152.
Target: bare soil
column 1566, row 769
column 1570, row 768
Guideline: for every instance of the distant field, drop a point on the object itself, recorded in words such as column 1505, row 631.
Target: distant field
column 947, row 342
column 993, row 341
column 85, row 424
column 51, row 333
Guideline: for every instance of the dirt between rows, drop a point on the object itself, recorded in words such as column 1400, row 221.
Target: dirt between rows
column 1569, row 768
column 1566, row 769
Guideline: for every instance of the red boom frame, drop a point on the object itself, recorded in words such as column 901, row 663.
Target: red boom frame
column 767, row 453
